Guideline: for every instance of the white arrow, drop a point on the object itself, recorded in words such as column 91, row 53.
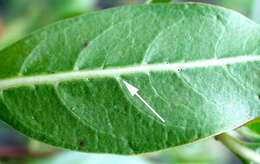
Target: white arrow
column 133, row 91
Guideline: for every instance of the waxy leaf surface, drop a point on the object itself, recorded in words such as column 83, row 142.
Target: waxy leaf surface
column 198, row 66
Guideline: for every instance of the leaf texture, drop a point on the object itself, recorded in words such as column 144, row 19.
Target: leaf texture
column 198, row 66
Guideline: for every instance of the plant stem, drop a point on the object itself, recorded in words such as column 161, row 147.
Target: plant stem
column 237, row 147
column 244, row 131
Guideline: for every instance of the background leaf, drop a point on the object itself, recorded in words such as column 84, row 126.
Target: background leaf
column 64, row 84
column 254, row 125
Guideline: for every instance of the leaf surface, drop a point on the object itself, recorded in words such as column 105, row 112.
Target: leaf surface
column 198, row 66
column 254, row 125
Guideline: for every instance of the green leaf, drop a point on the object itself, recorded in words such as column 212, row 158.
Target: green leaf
column 196, row 65
column 254, row 125
column 160, row 1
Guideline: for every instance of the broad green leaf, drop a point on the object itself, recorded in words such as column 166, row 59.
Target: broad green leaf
column 198, row 66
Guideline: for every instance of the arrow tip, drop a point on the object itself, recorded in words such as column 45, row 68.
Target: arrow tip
column 133, row 90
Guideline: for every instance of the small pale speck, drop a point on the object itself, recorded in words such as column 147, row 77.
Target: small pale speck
column 115, row 106
column 73, row 108
column 32, row 117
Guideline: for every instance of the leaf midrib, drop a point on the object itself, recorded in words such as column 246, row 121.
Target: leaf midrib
column 117, row 71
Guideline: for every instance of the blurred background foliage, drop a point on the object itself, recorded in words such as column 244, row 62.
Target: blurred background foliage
column 18, row 18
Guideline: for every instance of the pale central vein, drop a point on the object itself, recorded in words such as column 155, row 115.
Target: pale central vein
column 113, row 72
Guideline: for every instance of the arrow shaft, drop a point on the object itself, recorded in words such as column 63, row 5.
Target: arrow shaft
column 150, row 107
